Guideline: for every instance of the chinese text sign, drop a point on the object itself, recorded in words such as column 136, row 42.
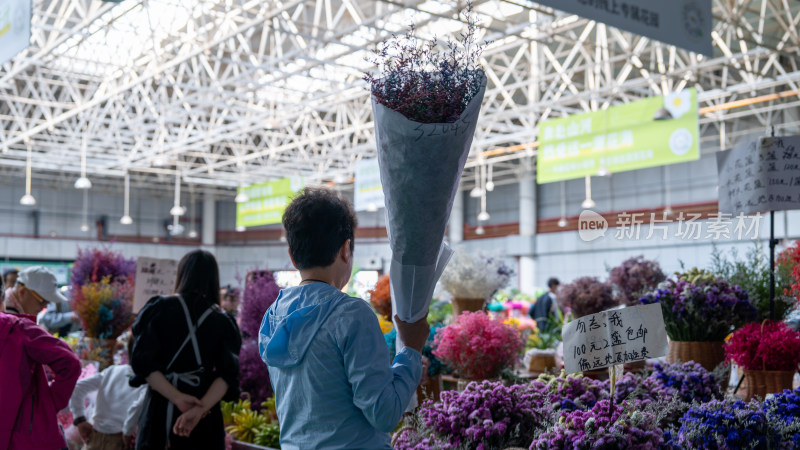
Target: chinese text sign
column 153, row 277
column 760, row 175
column 646, row 133
column 614, row 337
column 266, row 201
column 682, row 23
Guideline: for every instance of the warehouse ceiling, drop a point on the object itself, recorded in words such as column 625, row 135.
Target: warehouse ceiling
column 224, row 93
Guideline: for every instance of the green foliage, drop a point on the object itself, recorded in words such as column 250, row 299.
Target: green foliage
column 268, row 436
column 751, row 273
column 440, row 312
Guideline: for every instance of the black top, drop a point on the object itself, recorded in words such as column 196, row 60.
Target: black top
column 159, row 330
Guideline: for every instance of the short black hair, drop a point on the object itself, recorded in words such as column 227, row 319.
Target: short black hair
column 198, row 276
column 553, row 282
column 317, row 223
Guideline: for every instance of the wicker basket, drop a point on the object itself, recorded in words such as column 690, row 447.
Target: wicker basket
column 707, row 354
column 467, row 304
column 431, row 390
column 542, row 362
column 763, row 382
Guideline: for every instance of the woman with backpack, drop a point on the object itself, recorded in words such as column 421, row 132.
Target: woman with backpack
column 186, row 349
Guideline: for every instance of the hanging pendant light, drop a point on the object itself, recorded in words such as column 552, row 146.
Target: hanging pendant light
column 489, row 182
column 27, row 199
column 562, row 222
column 177, row 210
column 588, row 202
column 241, row 196
column 667, row 200
column 85, row 224
column 126, row 218
column 480, row 231
column 83, row 182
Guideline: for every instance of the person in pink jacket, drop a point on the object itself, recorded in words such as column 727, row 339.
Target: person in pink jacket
column 29, row 403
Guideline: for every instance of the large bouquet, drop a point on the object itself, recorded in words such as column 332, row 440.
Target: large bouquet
column 768, row 346
column 475, row 275
column 478, row 347
column 425, row 106
column 102, row 292
column 260, row 292
column 380, row 297
column 587, row 295
column 698, row 306
column 788, row 268
column 634, row 277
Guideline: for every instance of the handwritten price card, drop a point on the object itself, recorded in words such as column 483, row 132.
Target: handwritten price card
column 153, row 277
column 614, row 337
column 760, row 175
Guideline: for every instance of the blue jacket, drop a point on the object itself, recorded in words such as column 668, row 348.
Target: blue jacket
column 328, row 366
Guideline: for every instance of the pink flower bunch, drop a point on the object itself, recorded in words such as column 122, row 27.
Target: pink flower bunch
column 771, row 346
column 478, row 347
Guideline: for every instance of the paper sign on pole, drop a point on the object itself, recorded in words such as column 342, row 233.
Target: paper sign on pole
column 15, row 27
column 368, row 187
column 760, row 175
column 650, row 132
column 683, row 23
column 614, row 337
column 153, row 277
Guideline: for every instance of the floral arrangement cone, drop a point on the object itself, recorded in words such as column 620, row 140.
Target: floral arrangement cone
column 420, row 167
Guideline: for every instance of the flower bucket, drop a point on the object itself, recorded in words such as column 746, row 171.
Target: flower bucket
column 99, row 350
column 431, row 390
column 461, row 305
column 763, row 382
column 540, row 360
column 707, row 354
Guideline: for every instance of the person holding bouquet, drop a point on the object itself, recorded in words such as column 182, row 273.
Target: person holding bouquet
column 327, row 358
column 186, row 349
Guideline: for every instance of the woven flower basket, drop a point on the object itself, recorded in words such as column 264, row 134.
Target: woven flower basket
column 707, row 354
column 763, row 382
column 542, row 362
column 461, row 305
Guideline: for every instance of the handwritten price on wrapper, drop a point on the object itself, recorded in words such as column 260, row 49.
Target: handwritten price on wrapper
column 614, row 337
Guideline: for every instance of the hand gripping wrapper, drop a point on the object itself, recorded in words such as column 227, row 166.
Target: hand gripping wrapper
column 420, row 167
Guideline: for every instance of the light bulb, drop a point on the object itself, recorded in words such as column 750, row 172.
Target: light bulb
column 27, row 200
column 126, row 220
column 490, row 185
column 668, row 211
column 177, row 210
column 372, row 207
column 479, row 231
column 83, row 183
column 562, row 222
column 175, row 229
column 241, row 197
column 192, row 234
column 240, row 228
column 483, row 216
column 588, row 203
column 84, row 228
column 159, row 161
column 603, row 171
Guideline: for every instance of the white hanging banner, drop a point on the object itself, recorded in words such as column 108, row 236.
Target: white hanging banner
column 368, row 188
column 15, row 27
column 153, row 277
column 613, row 337
column 682, row 23
column 760, row 175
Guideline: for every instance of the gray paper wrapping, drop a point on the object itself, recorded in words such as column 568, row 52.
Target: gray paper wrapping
column 421, row 166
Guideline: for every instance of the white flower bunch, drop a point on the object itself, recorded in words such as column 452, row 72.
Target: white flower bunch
column 475, row 275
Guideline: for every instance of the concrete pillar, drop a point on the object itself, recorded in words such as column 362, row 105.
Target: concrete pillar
column 527, row 227
column 456, row 230
column 209, row 219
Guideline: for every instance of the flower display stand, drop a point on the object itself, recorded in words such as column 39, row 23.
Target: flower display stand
column 762, row 382
column 461, row 305
column 707, row 354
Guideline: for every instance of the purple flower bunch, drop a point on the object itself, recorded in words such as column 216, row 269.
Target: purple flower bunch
column 719, row 425
column 260, row 292
column 634, row 277
column 253, row 374
column 605, row 426
column 688, row 381
column 701, row 308
column 783, row 413
column 587, row 295
column 94, row 264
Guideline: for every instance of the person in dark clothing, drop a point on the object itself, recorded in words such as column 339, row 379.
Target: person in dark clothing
column 546, row 305
column 186, row 349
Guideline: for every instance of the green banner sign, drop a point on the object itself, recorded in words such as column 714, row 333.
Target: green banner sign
column 646, row 133
column 266, row 201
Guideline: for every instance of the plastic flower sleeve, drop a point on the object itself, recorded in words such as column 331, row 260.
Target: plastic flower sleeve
column 420, row 166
